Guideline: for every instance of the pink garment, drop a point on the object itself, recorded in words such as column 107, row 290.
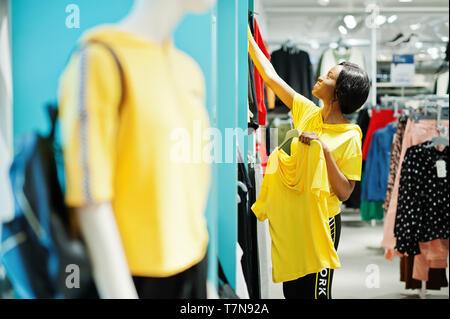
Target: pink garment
column 415, row 133
column 433, row 255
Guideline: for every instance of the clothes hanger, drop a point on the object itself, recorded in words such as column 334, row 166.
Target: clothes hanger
column 443, row 132
column 289, row 135
column 438, row 140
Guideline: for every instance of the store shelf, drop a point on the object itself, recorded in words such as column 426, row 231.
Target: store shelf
column 389, row 85
column 416, row 59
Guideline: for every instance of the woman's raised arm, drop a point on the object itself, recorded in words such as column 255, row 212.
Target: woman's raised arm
column 268, row 73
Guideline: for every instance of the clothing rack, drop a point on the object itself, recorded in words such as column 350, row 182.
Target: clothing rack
column 428, row 108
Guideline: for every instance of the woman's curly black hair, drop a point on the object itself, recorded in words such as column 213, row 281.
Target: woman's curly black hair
column 352, row 87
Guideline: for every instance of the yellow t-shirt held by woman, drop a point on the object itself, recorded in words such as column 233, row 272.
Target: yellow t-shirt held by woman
column 297, row 198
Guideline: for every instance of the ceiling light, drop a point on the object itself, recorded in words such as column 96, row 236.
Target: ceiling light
column 333, row 45
column 324, row 3
column 419, row 45
column 380, row 20
column 433, row 51
column 342, row 30
column 444, row 39
column 392, row 18
column 415, row 27
column 350, row 21
column 315, row 45
column 405, row 0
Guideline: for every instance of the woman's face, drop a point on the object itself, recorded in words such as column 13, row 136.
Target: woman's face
column 324, row 88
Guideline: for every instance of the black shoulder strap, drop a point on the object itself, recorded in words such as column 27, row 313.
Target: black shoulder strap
column 118, row 64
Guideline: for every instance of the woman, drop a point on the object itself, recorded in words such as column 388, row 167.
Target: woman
column 343, row 90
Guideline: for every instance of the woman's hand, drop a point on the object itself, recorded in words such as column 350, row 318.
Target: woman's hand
column 307, row 137
column 341, row 186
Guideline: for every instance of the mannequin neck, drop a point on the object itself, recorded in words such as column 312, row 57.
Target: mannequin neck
column 154, row 20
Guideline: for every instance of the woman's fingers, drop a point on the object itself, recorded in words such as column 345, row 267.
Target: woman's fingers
column 305, row 139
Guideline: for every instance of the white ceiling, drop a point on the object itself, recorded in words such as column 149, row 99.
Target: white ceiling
column 284, row 19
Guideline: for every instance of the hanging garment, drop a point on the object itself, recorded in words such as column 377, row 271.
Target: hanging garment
column 415, row 133
column 6, row 195
column 241, row 284
column 252, row 100
column 377, row 165
column 355, row 198
column 259, row 82
column 378, row 120
column 371, row 210
column 332, row 57
column 318, row 285
column 375, row 175
column 433, row 255
column 423, row 205
column 436, row 278
column 292, row 198
column 157, row 188
column 295, row 68
column 6, row 119
column 395, row 158
column 442, row 84
column 247, row 233
column 6, row 81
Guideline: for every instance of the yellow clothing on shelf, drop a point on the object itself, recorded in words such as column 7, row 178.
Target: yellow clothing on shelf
column 135, row 159
column 343, row 140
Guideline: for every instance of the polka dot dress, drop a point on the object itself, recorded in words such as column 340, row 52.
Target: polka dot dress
column 423, row 200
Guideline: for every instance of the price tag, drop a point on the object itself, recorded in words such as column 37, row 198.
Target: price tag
column 441, row 169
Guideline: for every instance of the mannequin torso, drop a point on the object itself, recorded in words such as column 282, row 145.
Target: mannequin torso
column 154, row 21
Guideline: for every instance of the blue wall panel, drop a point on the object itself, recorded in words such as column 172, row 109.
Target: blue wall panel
column 41, row 45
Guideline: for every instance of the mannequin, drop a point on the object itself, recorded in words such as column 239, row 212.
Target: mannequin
column 154, row 21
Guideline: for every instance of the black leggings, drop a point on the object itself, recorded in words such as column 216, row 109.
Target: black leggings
column 190, row 284
column 317, row 285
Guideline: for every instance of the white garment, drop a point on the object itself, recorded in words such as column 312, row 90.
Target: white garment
column 6, row 128
column 241, row 285
column 329, row 60
column 442, row 84
column 6, row 197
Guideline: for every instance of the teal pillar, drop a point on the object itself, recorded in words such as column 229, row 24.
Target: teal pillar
column 232, row 117
column 41, row 46
column 202, row 47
